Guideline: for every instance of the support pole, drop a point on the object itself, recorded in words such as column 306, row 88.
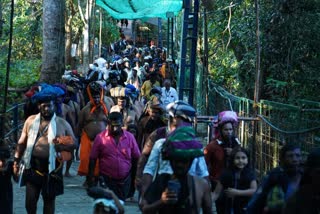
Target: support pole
column 100, row 31
column 205, row 59
column 4, row 151
column 257, row 89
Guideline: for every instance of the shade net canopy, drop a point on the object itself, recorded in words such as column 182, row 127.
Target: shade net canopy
column 139, row 9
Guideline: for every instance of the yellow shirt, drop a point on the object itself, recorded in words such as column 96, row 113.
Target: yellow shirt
column 146, row 88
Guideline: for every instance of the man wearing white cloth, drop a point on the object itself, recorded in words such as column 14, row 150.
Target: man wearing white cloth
column 38, row 148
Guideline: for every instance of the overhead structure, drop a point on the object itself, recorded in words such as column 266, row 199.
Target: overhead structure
column 188, row 51
column 139, row 9
column 167, row 9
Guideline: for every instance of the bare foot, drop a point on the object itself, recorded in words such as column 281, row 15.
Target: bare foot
column 67, row 174
column 131, row 199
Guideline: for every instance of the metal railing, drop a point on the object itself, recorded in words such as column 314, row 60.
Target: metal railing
column 276, row 124
column 12, row 122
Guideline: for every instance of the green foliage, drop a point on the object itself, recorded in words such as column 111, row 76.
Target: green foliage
column 290, row 43
column 26, row 44
column 111, row 31
column 231, row 63
column 24, row 73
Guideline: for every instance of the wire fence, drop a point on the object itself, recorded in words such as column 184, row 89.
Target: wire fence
column 276, row 124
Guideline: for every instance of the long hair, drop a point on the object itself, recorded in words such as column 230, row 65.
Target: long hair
column 233, row 154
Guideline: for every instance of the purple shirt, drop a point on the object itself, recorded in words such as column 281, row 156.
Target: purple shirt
column 115, row 159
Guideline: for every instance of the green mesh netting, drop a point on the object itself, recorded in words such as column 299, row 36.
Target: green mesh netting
column 137, row 9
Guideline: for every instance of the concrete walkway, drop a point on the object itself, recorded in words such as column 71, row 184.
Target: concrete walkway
column 73, row 201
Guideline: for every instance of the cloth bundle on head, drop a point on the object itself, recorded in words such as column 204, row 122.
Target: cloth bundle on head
column 223, row 118
column 227, row 116
column 47, row 92
column 32, row 91
column 132, row 92
column 116, row 58
column 62, row 86
column 118, row 92
column 182, row 144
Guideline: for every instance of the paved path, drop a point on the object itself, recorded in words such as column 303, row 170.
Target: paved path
column 73, row 201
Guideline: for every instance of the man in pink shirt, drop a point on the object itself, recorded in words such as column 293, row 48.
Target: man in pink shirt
column 117, row 152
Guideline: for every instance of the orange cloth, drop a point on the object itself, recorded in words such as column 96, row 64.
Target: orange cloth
column 105, row 110
column 85, row 149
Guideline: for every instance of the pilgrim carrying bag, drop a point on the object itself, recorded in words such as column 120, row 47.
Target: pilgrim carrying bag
column 30, row 174
column 65, row 140
column 54, row 185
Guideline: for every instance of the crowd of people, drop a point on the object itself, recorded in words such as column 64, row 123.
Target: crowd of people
column 125, row 124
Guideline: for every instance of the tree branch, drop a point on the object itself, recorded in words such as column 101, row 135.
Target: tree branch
column 81, row 13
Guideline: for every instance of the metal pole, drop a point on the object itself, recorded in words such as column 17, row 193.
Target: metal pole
column 171, row 35
column 100, row 32
column 183, row 50
column 205, row 58
column 193, row 60
column 159, row 33
column 3, row 149
column 168, row 37
column 257, row 82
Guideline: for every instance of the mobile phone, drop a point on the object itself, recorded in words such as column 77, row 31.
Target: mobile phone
column 174, row 186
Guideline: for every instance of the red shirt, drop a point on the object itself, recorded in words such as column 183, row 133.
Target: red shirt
column 216, row 158
column 115, row 160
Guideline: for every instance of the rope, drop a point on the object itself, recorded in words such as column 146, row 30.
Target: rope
column 287, row 132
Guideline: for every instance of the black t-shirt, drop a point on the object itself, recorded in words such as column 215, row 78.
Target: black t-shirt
column 155, row 190
column 242, row 181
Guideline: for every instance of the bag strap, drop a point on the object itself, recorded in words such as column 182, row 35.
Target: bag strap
column 40, row 134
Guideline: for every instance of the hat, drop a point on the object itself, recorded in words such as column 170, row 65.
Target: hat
column 182, row 144
column 181, row 109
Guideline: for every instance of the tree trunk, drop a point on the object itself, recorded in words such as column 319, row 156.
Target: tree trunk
column 68, row 28
column 85, row 34
column 53, row 54
column 92, row 29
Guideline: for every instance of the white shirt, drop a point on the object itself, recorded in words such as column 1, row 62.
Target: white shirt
column 168, row 96
column 198, row 167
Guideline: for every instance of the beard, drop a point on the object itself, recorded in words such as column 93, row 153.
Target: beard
column 115, row 133
column 47, row 116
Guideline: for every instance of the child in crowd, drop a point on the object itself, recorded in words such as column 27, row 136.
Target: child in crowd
column 236, row 184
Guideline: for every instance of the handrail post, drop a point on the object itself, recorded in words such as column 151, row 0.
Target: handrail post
column 15, row 122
